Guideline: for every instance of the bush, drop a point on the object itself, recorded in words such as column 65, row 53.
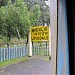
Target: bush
column 1, row 37
column 1, row 42
column 17, row 41
column 13, row 41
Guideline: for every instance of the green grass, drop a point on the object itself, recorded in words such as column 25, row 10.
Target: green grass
column 40, row 52
column 46, row 58
column 40, row 43
column 12, row 61
column 13, row 41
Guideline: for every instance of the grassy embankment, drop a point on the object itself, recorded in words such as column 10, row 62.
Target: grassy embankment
column 6, row 63
column 13, row 61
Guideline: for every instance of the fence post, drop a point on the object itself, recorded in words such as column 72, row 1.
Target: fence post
column 4, row 53
column 9, row 53
column 21, row 51
column 1, row 54
column 16, row 51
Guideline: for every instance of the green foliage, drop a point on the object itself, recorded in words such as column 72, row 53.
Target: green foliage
column 36, row 13
column 3, row 2
column 45, row 18
column 13, row 19
column 19, row 15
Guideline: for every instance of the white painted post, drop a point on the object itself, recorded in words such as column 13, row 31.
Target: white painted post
column 30, row 44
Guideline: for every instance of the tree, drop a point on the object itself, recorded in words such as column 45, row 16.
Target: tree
column 36, row 13
column 16, row 16
column 3, row 2
column 44, row 10
column 3, row 21
column 13, row 19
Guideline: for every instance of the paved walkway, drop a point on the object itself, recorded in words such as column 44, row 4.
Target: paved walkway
column 34, row 66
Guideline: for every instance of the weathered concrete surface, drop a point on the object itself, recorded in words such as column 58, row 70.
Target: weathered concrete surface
column 53, row 26
column 34, row 66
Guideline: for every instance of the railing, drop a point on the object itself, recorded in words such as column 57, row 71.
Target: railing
column 19, row 51
column 14, row 52
column 40, row 50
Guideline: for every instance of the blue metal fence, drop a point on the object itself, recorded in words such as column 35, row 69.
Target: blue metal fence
column 19, row 51
column 14, row 52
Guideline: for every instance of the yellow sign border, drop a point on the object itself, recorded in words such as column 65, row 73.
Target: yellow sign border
column 39, row 33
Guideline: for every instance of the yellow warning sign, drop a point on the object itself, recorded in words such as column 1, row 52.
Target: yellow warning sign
column 40, row 33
